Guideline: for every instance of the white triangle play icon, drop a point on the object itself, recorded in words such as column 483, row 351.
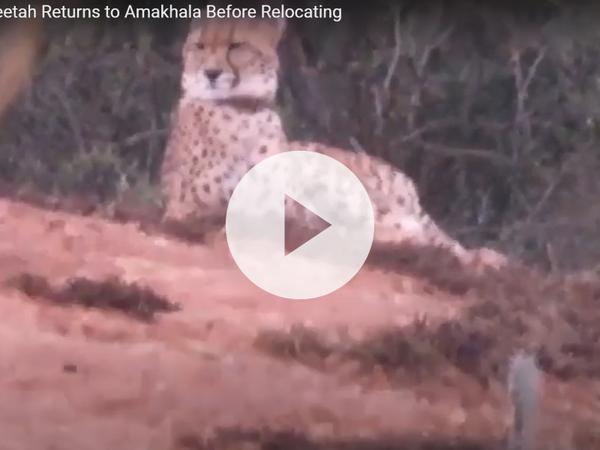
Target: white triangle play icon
column 302, row 235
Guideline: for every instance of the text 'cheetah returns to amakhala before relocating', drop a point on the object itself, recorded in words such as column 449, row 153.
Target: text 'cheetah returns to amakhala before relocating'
column 226, row 122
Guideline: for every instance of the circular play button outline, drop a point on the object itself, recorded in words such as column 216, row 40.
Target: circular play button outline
column 322, row 190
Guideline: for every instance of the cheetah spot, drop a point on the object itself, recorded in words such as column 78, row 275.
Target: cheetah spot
column 383, row 211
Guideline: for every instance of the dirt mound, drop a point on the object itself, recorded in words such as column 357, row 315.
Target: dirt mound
column 412, row 353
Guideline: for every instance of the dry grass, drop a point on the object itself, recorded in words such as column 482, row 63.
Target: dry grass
column 112, row 294
column 269, row 440
column 554, row 316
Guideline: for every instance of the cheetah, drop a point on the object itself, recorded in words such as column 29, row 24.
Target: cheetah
column 226, row 122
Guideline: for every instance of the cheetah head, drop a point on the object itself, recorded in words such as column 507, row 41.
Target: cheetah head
column 228, row 59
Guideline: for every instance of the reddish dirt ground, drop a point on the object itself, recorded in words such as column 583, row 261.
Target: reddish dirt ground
column 235, row 368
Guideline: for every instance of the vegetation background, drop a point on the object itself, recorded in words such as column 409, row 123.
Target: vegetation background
column 493, row 110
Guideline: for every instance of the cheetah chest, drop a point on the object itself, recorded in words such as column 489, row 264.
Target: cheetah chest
column 225, row 144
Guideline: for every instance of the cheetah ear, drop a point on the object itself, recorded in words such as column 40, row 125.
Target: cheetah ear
column 195, row 25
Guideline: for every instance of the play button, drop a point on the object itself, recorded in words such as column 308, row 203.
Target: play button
column 299, row 225
column 319, row 225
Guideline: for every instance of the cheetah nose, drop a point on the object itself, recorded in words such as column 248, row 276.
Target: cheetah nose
column 212, row 74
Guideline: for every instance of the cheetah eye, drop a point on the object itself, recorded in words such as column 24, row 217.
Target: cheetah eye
column 234, row 45
column 200, row 46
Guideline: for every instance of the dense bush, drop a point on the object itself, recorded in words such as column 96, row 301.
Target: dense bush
column 493, row 111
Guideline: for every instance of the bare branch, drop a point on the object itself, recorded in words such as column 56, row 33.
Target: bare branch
column 552, row 186
column 397, row 50
column 143, row 135
column 522, row 84
column 439, row 40
column 533, row 68
column 429, row 48
column 378, row 104
column 71, row 118
column 356, row 145
column 455, row 152
column 515, row 58
column 430, row 126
